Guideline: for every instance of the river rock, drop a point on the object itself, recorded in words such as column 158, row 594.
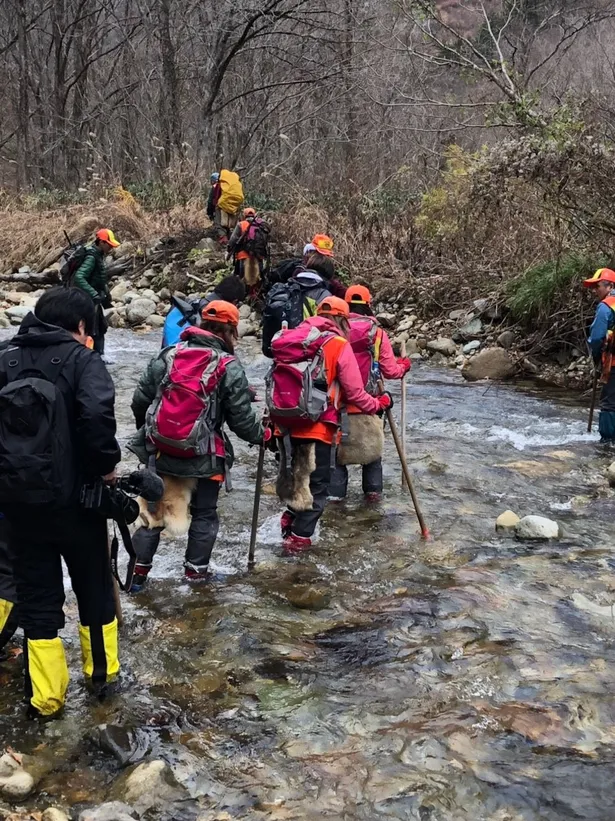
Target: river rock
column 5, row 322
column 468, row 331
column 536, row 527
column 139, row 309
column 54, row 814
column 165, row 294
column 14, row 297
column 126, row 745
column 111, row 811
column 129, row 297
column 610, row 473
column 507, row 521
column 119, row 291
column 506, row 339
column 207, row 244
column 155, row 320
column 147, row 785
column 306, row 597
column 246, row 328
column 245, row 312
column 149, row 294
column 15, row 782
column 494, row 363
column 386, row 319
column 17, row 313
column 459, row 313
column 470, row 347
column 442, row 345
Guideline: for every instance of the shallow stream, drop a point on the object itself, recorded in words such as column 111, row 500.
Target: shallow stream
column 469, row 677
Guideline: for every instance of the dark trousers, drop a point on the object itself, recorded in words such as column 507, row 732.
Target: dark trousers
column 371, row 476
column 304, row 522
column 39, row 544
column 100, row 329
column 606, row 422
column 9, row 620
column 201, row 535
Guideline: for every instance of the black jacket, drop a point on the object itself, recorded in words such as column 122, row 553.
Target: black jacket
column 86, row 387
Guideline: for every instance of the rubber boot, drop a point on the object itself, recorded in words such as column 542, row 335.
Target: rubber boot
column 292, row 544
column 139, row 579
column 196, row 574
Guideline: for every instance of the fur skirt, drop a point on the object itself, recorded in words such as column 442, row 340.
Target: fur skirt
column 172, row 512
column 365, row 441
column 293, row 486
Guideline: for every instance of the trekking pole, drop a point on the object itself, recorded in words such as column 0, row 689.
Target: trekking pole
column 257, row 504
column 402, row 420
column 405, row 469
column 592, row 406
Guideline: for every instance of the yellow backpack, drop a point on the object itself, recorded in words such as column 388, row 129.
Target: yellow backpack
column 232, row 192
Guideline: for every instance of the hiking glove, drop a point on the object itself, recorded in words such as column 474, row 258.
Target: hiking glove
column 405, row 363
column 386, row 401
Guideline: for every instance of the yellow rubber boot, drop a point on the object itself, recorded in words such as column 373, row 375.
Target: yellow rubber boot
column 46, row 674
column 99, row 650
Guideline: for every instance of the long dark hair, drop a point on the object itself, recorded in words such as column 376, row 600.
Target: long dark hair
column 360, row 308
column 321, row 264
column 227, row 333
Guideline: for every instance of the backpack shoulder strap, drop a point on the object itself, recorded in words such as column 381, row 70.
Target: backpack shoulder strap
column 21, row 362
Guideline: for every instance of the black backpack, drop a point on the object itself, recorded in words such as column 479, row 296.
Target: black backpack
column 285, row 303
column 72, row 259
column 37, row 458
column 256, row 239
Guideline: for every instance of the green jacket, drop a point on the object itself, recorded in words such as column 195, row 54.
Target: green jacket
column 235, row 410
column 91, row 276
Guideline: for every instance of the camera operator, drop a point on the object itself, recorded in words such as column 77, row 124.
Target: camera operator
column 57, row 433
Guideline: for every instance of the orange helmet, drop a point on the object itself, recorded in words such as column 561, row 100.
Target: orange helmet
column 106, row 235
column 358, row 295
column 323, row 244
column 249, row 212
column 601, row 275
column 333, row 306
column 220, row 311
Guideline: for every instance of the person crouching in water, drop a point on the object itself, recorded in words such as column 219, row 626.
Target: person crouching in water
column 601, row 343
column 185, row 397
column 308, row 416
column 372, row 348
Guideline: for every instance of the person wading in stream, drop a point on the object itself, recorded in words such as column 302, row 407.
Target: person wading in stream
column 185, row 397
column 249, row 246
column 376, row 360
column 601, row 343
column 57, row 433
column 313, row 376
column 91, row 277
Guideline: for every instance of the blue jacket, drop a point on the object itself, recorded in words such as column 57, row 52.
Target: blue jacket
column 604, row 321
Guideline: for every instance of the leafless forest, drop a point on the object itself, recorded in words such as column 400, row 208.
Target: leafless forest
column 323, row 95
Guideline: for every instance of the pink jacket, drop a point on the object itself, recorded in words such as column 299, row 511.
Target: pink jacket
column 360, row 329
column 341, row 365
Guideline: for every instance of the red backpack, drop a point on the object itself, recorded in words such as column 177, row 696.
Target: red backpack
column 181, row 421
column 296, row 385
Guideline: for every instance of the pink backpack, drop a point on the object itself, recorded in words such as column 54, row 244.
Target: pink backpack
column 181, row 421
column 366, row 339
column 296, row 385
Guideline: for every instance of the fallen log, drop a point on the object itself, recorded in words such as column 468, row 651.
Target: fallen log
column 43, row 278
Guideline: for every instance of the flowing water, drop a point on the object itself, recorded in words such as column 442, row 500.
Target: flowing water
column 379, row 677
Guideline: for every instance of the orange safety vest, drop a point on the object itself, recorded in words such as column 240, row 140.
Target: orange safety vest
column 244, row 225
column 607, row 350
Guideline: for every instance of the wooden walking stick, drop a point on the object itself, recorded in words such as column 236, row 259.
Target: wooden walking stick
column 257, row 504
column 592, row 406
column 405, row 469
column 402, row 420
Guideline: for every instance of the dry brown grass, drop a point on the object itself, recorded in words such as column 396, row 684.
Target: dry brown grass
column 36, row 237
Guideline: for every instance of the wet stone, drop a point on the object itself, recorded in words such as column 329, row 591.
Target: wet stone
column 308, row 597
column 54, row 814
column 110, row 811
column 537, row 527
column 507, row 521
column 127, row 746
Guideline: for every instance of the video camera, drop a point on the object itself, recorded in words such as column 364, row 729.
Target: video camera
column 116, row 501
